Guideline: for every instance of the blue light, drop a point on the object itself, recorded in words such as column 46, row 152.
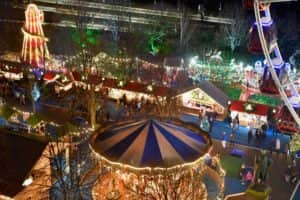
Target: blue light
column 38, row 73
column 265, row 24
column 278, row 66
column 35, row 93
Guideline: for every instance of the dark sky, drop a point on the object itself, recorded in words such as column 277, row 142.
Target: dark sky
column 214, row 4
column 193, row 4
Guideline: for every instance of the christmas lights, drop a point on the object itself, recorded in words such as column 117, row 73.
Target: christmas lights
column 34, row 50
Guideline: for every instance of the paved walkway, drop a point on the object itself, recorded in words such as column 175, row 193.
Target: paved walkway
column 241, row 136
column 281, row 190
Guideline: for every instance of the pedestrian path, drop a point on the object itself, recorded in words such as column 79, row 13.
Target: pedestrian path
column 219, row 127
column 233, row 186
column 241, row 136
column 211, row 186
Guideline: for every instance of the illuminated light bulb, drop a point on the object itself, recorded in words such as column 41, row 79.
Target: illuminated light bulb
column 34, row 47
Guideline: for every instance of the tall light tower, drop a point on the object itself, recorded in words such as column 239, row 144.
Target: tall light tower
column 34, row 50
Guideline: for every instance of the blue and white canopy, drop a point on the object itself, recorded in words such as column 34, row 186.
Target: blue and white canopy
column 150, row 143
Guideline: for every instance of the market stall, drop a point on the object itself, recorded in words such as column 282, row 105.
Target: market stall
column 10, row 72
column 134, row 90
column 206, row 97
column 249, row 113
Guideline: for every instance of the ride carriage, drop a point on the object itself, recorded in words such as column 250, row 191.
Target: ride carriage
column 286, row 122
column 282, row 70
column 248, row 5
column 270, row 34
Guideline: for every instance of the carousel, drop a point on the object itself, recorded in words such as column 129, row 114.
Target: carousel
column 151, row 158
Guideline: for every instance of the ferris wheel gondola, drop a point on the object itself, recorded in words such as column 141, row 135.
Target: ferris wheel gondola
column 276, row 70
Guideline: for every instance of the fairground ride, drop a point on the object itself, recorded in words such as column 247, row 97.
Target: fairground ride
column 276, row 74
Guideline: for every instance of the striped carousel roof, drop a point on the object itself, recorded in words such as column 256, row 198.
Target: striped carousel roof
column 150, row 143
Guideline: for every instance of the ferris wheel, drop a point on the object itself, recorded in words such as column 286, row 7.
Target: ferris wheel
column 277, row 72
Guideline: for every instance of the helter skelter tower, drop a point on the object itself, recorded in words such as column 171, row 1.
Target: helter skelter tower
column 34, row 50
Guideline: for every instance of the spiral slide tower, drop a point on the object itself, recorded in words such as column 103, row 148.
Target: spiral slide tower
column 274, row 61
column 34, row 50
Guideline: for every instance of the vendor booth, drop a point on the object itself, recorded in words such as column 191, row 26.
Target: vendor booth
column 10, row 72
column 206, row 97
column 134, row 90
column 249, row 113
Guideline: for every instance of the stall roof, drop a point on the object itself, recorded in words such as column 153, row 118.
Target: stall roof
column 214, row 92
column 18, row 156
column 260, row 109
column 173, row 61
column 211, row 90
column 94, row 79
column 75, row 75
column 10, row 69
column 49, row 76
column 138, row 87
column 151, row 143
column 151, row 59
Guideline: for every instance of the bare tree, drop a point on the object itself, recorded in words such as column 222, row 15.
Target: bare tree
column 115, row 30
column 295, row 59
column 175, row 185
column 186, row 28
column 66, row 170
column 93, row 103
column 70, row 171
column 289, row 34
column 85, row 61
column 166, row 105
column 235, row 34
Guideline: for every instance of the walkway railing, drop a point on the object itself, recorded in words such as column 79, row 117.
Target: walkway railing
column 295, row 191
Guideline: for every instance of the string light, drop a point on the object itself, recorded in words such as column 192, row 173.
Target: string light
column 34, row 47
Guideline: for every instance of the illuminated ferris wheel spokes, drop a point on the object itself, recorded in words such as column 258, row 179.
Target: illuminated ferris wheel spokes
column 274, row 59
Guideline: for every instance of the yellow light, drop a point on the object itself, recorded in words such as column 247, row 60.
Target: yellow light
column 33, row 33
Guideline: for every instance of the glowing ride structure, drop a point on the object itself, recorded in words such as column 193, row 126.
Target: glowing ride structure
column 276, row 71
column 147, row 152
column 34, row 49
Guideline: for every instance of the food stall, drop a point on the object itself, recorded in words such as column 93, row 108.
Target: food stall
column 134, row 90
column 249, row 113
column 206, row 97
column 10, row 72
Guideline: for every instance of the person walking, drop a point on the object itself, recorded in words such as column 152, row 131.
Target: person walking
column 224, row 140
column 274, row 129
column 211, row 122
column 277, row 145
column 22, row 99
column 237, row 121
column 232, row 139
column 139, row 105
column 258, row 136
column 264, row 129
column 200, row 115
column 229, row 120
column 234, row 125
column 249, row 136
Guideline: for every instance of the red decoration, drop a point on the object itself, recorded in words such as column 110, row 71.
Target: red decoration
column 48, row 76
column 260, row 109
column 254, row 45
column 249, row 5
